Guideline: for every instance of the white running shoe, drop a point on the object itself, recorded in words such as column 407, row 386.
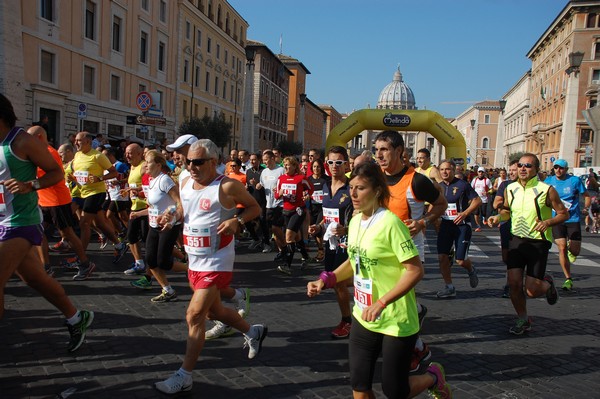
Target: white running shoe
column 220, row 329
column 255, row 344
column 243, row 304
column 175, row 383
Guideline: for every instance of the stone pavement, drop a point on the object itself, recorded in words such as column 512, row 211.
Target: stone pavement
column 134, row 343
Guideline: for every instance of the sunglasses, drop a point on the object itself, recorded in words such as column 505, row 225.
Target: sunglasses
column 336, row 163
column 558, row 167
column 526, row 165
column 233, row 165
column 197, row 162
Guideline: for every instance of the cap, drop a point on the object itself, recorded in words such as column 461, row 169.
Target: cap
column 562, row 163
column 181, row 141
column 481, row 169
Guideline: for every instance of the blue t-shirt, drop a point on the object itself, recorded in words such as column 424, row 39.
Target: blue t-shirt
column 122, row 167
column 458, row 193
column 569, row 191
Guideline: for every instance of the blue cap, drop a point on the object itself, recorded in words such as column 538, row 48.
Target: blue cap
column 562, row 163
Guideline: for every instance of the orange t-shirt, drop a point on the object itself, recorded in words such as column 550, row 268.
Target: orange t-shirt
column 57, row 194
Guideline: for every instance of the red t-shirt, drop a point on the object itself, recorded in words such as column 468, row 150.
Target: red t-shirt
column 291, row 189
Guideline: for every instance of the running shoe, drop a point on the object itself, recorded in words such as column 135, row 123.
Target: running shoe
column 77, row 331
column 219, row 330
column 506, row 292
column 447, row 292
column 572, row 258
column 135, row 269
column 165, row 297
column 473, row 279
column 320, row 255
column 103, row 241
column 342, row 330
column 61, row 246
column 478, row 229
column 285, row 269
column 567, row 285
column 552, row 293
column 120, row 251
column 587, row 228
column 175, row 383
column 280, row 256
column 71, row 263
column 254, row 244
column 522, row 326
column 422, row 314
column 419, row 356
column 84, row 272
column 254, row 345
column 441, row 389
column 143, row 283
column 243, row 304
column 266, row 248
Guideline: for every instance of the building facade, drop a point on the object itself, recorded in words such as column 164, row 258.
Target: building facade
column 332, row 120
column 479, row 125
column 514, row 121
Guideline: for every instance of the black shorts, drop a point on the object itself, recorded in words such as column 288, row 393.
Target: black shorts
column 481, row 210
column 364, row 350
column 459, row 235
column 316, row 213
column 275, row 217
column 292, row 220
column 526, row 253
column 93, row 203
column 118, row 206
column 159, row 247
column 106, row 205
column 505, row 234
column 570, row 231
column 61, row 216
column 137, row 229
column 334, row 257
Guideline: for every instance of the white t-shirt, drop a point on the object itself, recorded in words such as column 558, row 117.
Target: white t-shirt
column 158, row 198
column 268, row 179
column 481, row 187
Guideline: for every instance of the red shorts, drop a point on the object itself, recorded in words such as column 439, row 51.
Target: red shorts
column 201, row 280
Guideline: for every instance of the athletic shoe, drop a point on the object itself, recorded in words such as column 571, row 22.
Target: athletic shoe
column 473, row 279
column 84, row 272
column 422, row 314
column 572, row 258
column 418, row 357
column 143, row 283
column 77, row 331
column 254, row 244
column 71, row 263
column 49, row 270
column 441, row 389
column 165, row 297
column 552, row 293
column 219, row 330
column 254, row 345
column 103, row 241
column 175, row 383
column 280, row 256
column 447, row 292
column 285, row 269
column 120, row 252
column 61, row 246
column 266, row 248
column 567, row 285
column 478, row 229
column 135, row 269
column 243, row 304
column 521, row 327
column 587, row 228
column 342, row 330
column 506, row 292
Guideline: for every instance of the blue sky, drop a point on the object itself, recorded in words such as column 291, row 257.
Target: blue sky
column 451, row 52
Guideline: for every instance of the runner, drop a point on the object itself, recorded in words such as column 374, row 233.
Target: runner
column 481, row 184
column 529, row 203
column 318, row 179
column 209, row 201
column 268, row 180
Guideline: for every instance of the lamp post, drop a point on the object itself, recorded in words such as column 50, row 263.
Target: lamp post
column 500, row 157
column 568, row 137
column 248, row 118
column 301, row 121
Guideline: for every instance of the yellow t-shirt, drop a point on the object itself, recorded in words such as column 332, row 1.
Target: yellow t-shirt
column 85, row 165
column 135, row 181
column 73, row 186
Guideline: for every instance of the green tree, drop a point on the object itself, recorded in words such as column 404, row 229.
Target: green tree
column 215, row 129
column 289, row 148
column 516, row 155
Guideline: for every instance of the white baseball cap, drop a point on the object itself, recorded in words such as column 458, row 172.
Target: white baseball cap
column 181, row 141
column 481, row 169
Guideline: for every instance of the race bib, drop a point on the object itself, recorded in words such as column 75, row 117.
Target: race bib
column 289, row 191
column 451, row 212
column 197, row 240
column 317, row 196
column 567, row 205
column 82, row 176
column 363, row 292
column 2, row 200
column 153, row 215
column 331, row 215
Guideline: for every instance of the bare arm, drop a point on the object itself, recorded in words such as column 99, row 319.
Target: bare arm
column 235, row 193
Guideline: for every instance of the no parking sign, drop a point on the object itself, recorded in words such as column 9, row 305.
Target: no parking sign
column 143, row 101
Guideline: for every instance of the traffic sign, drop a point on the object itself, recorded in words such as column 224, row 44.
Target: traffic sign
column 81, row 111
column 150, row 120
column 552, row 159
column 143, row 101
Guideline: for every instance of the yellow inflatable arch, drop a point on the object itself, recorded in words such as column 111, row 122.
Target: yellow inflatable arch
column 401, row 120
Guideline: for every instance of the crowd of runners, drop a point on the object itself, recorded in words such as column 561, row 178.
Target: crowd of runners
column 183, row 208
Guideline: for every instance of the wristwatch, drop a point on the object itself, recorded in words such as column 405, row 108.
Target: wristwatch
column 35, row 185
column 240, row 220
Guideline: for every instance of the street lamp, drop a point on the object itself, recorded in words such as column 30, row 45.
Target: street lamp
column 473, row 138
column 575, row 60
column 248, row 120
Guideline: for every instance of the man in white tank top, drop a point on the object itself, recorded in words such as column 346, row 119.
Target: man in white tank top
column 209, row 204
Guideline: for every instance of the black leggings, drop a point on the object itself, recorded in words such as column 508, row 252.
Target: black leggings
column 159, row 247
column 364, row 349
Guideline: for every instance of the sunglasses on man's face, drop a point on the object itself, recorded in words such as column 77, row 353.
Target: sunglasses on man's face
column 525, row 165
column 336, row 163
column 197, row 162
column 557, row 167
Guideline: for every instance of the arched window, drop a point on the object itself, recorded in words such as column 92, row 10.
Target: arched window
column 485, row 143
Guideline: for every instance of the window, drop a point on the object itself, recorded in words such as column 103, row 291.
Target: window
column 597, row 51
column 216, row 85
column 115, row 88
column 116, row 34
column 89, row 79
column 159, row 94
column 47, row 9
column 198, row 38
column 586, row 137
column 218, row 51
column 186, row 67
column 226, row 56
column 185, row 109
column 485, row 143
column 208, row 45
column 144, row 47
column 591, row 21
column 90, row 20
column 224, row 90
column 596, row 76
column 486, row 118
column 162, row 11
column 145, row 5
column 141, row 87
column 197, row 77
column 484, row 160
column 188, row 30
column 47, row 67
column 207, row 84
column 161, row 56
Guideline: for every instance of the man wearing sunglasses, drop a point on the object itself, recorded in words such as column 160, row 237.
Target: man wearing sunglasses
column 567, row 235
column 529, row 203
